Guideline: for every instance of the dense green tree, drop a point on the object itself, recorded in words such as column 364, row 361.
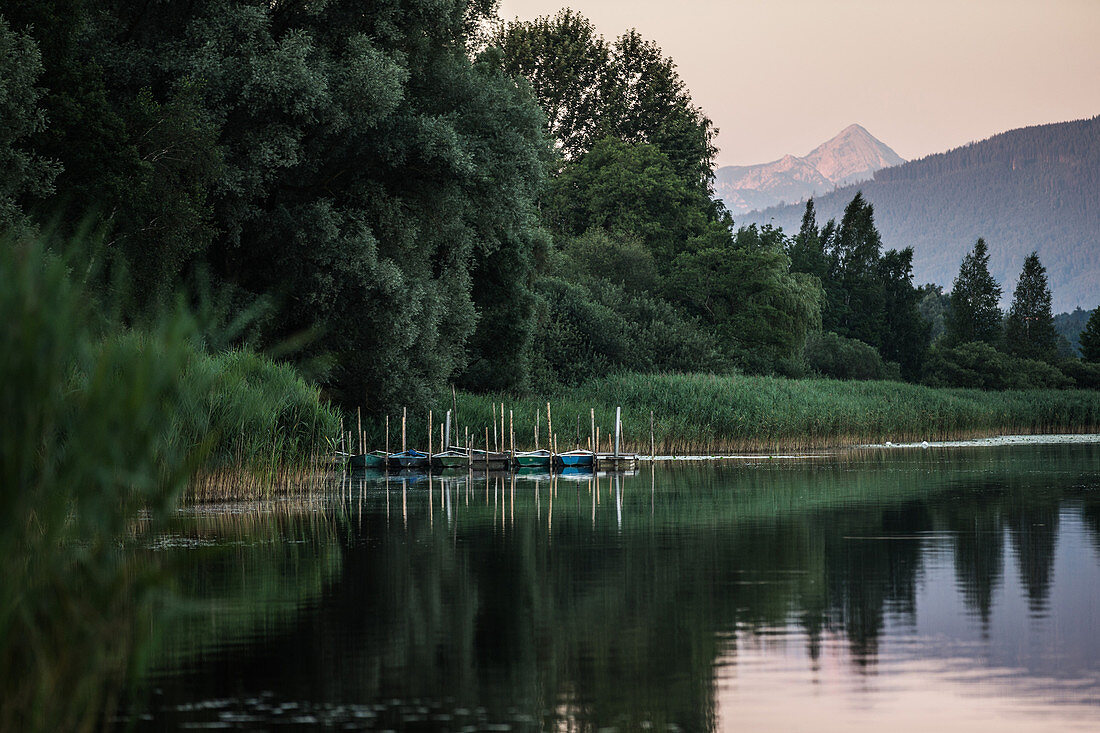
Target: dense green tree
column 592, row 89
column 760, row 310
column 629, row 189
column 868, row 294
column 1029, row 328
column 906, row 334
column 352, row 165
column 1090, row 338
column 933, row 308
column 23, row 173
column 857, row 249
column 806, row 249
column 622, row 260
column 974, row 314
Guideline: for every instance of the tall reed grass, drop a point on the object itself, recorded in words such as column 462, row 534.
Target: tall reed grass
column 700, row 413
column 104, row 428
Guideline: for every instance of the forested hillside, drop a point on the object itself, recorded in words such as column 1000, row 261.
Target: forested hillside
column 1029, row 189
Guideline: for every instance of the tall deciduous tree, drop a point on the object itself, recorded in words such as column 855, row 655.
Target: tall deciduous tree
column 1090, row 338
column 974, row 314
column 23, row 173
column 1029, row 328
column 592, row 89
column 350, row 163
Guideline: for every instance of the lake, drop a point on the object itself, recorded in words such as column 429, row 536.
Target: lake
column 902, row 589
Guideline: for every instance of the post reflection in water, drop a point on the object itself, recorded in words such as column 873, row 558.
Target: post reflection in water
column 957, row 588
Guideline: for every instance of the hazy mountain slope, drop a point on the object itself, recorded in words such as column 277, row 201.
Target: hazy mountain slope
column 852, row 155
column 1036, row 188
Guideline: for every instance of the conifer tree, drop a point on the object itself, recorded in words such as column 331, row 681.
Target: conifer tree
column 1090, row 338
column 1029, row 330
column 974, row 314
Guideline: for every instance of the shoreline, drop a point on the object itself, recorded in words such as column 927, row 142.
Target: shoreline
column 994, row 441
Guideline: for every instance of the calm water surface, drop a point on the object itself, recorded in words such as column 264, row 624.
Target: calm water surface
column 903, row 590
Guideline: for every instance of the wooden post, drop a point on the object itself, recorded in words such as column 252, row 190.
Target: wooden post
column 597, row 450
column 445, row 443
column 550, row 433
column 512, row 435
column 577, row 441
column 618, row 429
column 536, row 428
column 454, row 406
column 469, row 453
column 404, row 419
column 502, row 433
column 487, row 451
column 359, row 416
column 429, row 438
column 652, row 449
column 592, row 428
column 494, row 406
column 387, row 440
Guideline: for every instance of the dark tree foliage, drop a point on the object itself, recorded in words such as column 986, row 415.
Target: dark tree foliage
column 979, row 365
column 629, row 189
column 840, row 358
column 974, row 314
column 806, row 250
column 1029, row 328
column 906, row 334
column 868, row 294
column 350, row 163
column 933, row 308
column 743, row 287
column 23, row 173
column 1090, row 339
column 591, row 89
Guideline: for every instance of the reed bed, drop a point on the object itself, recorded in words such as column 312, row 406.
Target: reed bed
column 104, row 427
column 709, row 414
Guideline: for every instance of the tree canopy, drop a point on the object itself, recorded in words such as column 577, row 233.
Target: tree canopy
column 974, row 314
column 592, row 89
column 1029, row 328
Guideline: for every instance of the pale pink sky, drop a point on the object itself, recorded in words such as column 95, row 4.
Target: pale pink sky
column 923, row 76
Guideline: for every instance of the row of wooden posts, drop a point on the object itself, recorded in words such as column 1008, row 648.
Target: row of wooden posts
column 614, row 447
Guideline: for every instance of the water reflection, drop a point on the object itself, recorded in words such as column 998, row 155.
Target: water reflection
column 694, row 597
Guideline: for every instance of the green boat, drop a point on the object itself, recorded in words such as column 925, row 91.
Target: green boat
column 450, row 459
column 374, row 459
column 533, row 459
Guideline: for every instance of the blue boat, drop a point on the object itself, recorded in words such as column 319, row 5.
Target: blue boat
column 408, row 459
column 575, row 459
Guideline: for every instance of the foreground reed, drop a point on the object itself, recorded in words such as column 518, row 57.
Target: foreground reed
column 104, row 426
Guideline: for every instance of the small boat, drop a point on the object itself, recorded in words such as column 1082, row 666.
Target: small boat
column 492, row 461
column 575, row 459
column 374, row 459
column 450, row 459
column 408, row 459
column 533, row 458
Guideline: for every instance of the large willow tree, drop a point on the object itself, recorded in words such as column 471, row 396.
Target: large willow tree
column 351, row 163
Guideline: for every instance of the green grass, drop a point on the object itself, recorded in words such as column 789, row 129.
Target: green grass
column 699, row 413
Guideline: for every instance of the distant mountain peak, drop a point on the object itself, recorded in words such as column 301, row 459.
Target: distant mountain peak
column 852, row 155
column 1024, row 190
